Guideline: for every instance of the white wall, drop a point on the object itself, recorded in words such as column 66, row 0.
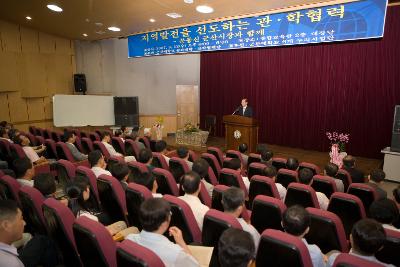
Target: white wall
column 109, row 70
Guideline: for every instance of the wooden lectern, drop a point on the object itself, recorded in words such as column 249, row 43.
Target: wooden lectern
column 238, row 130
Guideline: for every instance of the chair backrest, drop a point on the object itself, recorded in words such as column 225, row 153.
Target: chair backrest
column 66, row 171
column 365, row 192
column 217, row 197
column 77, row 132
column 113, row 160
column 145, row 141
column 159, row 161
column 267, row 213
column 178, row 167
column 59, row 220
column 345, row 177
column 63, row 152
column 326, row 231
column 95, row 244
column 262, row 185
column 217, row 152
column 213, row 162
column 226, row 162
column 301, row 194
column 41, row 132
column 210, row 177
column 348, row 208
column 131, row 148
column 5, row 146
column 279, row 163
column 118, row 145
column 230, row 177
column 137, row 168
column 78, row 144
column 56, row 136
column 39, row 139
column 131, row 254
column 311, row 166
column 235, row 154
column 285, row 177
column 192, row 156
column 89, row 174
column 136, row 194
column 166, row 182
column 94, row 136
column 10, row 188
column 348, row 260
column 84, row 134
column 47, row 133
column 31, row 203
column 278, row 248
column 183, row 218
column 324, row 184
column 32, row 129
column 112, row 197
column 204, row 196
column 100, row 146
column 17, row 152
column 390, row 251
column 253, row 158
column 87, row 144
column 51, row 149
column 255, row 168
column 31, row 138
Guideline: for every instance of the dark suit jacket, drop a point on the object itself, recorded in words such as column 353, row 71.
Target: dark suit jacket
column 357, row 176
column 248, row 112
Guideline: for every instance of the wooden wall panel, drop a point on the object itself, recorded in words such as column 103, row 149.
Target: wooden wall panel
column 29, row 40
column 47, row 43
column 18, row 107
column 4, row 111
column 50, row 63
column 35, row 108
column 9, row 78
column 48, row 107
column 33, row 75
column 10, row 37
column 64, row 74
column 63, row 46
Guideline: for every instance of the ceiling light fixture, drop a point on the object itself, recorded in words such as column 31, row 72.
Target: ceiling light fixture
column 114, row 29
column 174, row 15
column 54, row 8
column 205, row 9
column 188, row 1
column 28, row 18
column 85, row 35
column 152, row 20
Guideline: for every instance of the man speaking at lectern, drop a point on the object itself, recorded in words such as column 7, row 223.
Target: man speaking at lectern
column 244, row 109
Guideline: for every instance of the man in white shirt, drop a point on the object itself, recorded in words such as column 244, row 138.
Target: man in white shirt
column 98, row 164
column 306, row 177
column 331, row 170
column 201, row 166
column 155, row 217
column 161, row 147
column 183, row 153
column 271, row 173
column 236, row 165
column 233, row 203
column 191, row 185
column 148, row 180
column 31, row 152
column 24, row 171
column 106, row 138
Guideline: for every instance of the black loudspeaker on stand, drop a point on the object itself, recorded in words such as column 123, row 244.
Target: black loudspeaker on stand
column 396, row 130
column 80, row 83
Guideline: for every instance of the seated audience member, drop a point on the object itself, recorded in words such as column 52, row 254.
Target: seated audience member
column 357, row 176
column 4, row 134
column 233, row 202
column 296, row 221
column 183, row 153
column 70, row 138
column 367, row 237
column 24, row 171
column 161, row 147
column 46, row 184
column 201, row 167
column 331, row 170
column 121, row 172
column 375, row 179
column 147, row 180
column 147, row 133
column 396, row 195
column 271, row 173
column 146, row 157
column 31, row 152
column 266, row 157
column 135, row 137
column 13, row 134
column 236, row 248
column 106, row 139
column 124, row 131
column 11, row 230
column 292, row 164
column 386, row 212
column 306, row 177
column 155, row 217
column 190, row 183
column 243, row 149
column 118, row 134
column 98, row 164
column 236, row 165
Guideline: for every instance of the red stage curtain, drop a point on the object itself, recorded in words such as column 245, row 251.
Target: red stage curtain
column 300, row 92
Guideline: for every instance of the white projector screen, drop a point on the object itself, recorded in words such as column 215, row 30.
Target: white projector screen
column 83, row 110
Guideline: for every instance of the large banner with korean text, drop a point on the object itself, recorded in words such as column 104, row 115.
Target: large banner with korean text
column 348, row 21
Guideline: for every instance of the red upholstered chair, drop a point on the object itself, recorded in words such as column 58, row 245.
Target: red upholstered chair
column 192, row 156
column 230, row 177
column 66, row 171
column 235, row 154
column 10, row 188
column 47, row 133
column 59, row 220
column 84, row 134
column 213, row 162
column 345, row 177
column 87, row 144
column 255, row 168
column 262, row 185
column 63, row 152
column 301, row 194
column 136, row 194
column 178, row 167
column 204, row 196
column 267, row 213
column 94, row 136
column 137, row 168
column 17, row 152
column 217, row 152
column 118, row 145
column 41, row 132
column 312, row 167
column 326, row 231
column 145, row 141
column 32, row 129
column 365, row 192
column 285, row 177
column 159, row 161
column 131, row 254
column 112, row 197
column 226, row 162
column 166, row 182
column 39, row 140
column 113, row 160
column 31, row 203
column 183, row 218
column 78, row 144
column 5, row 147
column 279, row 163
column 77, row 132
column 277, row 248
column 390, row 251
column 324, row 184
column 253, row 158
column 210, row 177
column 348, row 260
column 56, row 136
column 51, row 149
column 32, row 139
column 89, row 174
column 97, row 145
column 348, row 208
column 95, row 244
column 131, row 148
